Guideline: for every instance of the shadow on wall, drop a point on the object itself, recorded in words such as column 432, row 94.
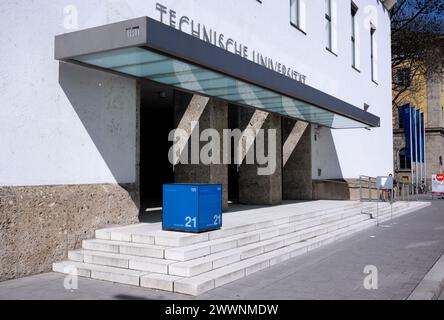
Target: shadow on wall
column 328, row 180
column 106, row 106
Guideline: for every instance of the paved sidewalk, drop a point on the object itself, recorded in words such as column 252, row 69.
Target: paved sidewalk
column 402, row 253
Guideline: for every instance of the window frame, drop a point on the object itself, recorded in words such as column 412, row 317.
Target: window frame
column 329, row 22
column 372, row 51
column 296, row 15
column 354, row 12
column 404, row 164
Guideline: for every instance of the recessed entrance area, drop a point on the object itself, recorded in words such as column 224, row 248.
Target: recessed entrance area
column 156, row 121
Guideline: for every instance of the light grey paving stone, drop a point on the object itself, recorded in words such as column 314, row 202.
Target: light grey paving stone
column 116, row 277
column 143, row 250
column 150, row 264
column 159, row 281
column 142, row 238
column 106, row 259
column 190, row 268
column 193, row 286
column 101, row 245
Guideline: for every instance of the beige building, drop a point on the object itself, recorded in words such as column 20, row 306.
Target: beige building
column 426, row 94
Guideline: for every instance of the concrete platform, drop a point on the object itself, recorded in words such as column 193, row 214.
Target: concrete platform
column 251, row 240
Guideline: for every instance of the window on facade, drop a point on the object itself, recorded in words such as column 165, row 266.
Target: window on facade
column 354, row 11
column 295, row 13
column 403, row 78
column 400, row 122
column 372, row 51
column 404, row 163
column 328, row 24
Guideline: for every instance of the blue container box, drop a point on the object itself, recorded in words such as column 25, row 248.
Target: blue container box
column 192, row 207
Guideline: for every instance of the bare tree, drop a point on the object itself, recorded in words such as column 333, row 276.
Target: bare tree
column 418, row 44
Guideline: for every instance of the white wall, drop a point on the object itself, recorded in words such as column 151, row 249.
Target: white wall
column 78, row 131
column 43, row 136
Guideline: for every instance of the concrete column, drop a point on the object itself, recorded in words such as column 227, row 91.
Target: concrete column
column 210, row 114
column 254, row 188
column 297, row 168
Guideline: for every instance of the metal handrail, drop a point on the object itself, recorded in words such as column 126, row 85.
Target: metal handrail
column 330, row 181
column 369, row 181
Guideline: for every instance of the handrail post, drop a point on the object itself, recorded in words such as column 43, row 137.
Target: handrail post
column 370, row 196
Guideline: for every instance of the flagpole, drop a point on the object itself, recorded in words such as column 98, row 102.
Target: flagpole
column 411, row 143
column 416, row 148
column 425, row 152
column 420, row 148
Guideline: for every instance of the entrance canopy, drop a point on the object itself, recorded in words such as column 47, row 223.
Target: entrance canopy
column 147, row 49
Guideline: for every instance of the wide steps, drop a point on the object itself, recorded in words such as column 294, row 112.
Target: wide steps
column 233, row 225
column 214, row 246
column 206, row 246
column 195, row 270
column 121, row 261
column 219, row 277
column 210, row 262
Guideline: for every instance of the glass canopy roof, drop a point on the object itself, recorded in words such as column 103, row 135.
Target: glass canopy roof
column 147, row 64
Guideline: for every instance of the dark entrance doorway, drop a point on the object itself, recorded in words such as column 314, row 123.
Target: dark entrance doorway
column 233, row 168
column 156, row 122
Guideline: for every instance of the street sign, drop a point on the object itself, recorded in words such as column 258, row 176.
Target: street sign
column 438, row 183
column 405, row 180
column 384, row 183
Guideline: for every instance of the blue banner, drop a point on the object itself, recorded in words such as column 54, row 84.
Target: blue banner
column 413, row 123
column 418, row 135
column 423, row 137
column 408, row 120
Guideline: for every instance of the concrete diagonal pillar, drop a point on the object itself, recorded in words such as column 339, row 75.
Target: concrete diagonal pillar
column 297, row 164
column 210, row 114
column 258, row 189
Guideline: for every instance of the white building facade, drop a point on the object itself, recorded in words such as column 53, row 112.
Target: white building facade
column 70, row 135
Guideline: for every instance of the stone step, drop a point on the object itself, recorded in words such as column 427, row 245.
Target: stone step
column 121, row 261
column 179, row 284
column 194, row 267
column 152, row 276
column 201, row 249
column 219, row 277
column 214, row 246
column 112, row 274
column 127, row 248
column 234, row 223
column 184, row 253
column 214, row 261
column 411, row 207
column 290, row 212
column 113, row 259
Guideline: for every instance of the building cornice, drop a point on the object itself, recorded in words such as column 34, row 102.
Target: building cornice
column 438, row 130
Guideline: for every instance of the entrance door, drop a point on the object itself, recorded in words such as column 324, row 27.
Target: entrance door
column 156, row 122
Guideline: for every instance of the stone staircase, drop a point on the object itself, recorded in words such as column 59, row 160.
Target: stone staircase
column 250, row 241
